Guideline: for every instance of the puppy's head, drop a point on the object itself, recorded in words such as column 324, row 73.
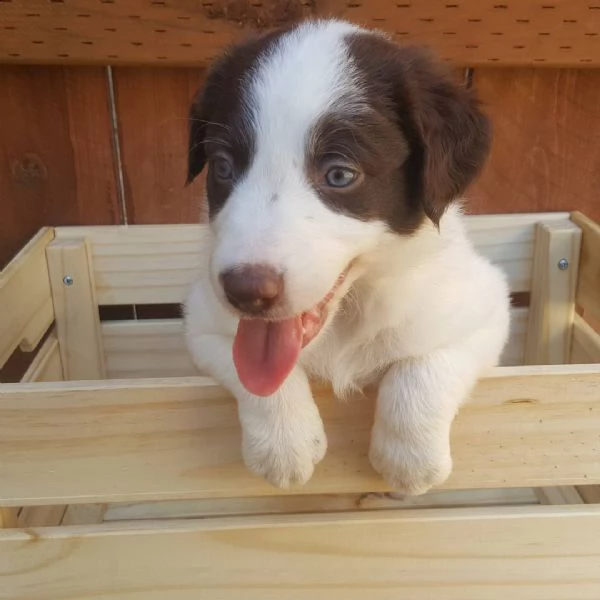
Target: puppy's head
column 320, row 140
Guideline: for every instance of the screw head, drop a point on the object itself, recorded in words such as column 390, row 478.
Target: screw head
column 68, row 280
column 563, row 264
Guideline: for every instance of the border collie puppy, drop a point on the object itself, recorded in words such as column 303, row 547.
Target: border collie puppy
column 336, row 160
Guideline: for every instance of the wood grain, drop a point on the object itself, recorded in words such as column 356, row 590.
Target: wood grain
column 56, row 162
column 153, row 107
column 546, row 151
column 588, row 289
column 553, row 294
column 143, row 440
column 561, row 32
column 528, row 553
column 75, row 308
column 26, row 310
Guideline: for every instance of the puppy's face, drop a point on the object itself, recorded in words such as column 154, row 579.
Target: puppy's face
column 319, row 140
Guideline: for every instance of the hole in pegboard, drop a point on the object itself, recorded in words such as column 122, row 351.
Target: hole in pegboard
column 497, row 33
column 87, row 43
column 160, row 31
column 208, row 31
column 32, row 14
column 493, row 59
column 471, row 46
column 474, row 20
column 135, row 16
column 111, row 29
column 449, row 33
column 585, row 60
column 569, row 20
column 137, row 43
column 183, row 18
column 544, row 33
column 566, row 47
column 162, row 58
column 37, row 42
column 403, row 5
column 84, row 15
column 427, row 20
column 63, row 55
column 548, row 7
column 500, row 6
column 519, row 47
column 107, row 1
column 523, row 21
column 401, row 33
column 158, row 3
column 591, row 34
column 539, row 60
column 113, row 56
column 185, row 45
column 452, row 6
column 594, row 7
column 14, row 54
column 61, row 29
column 378, row 20
column 57, row 1
column 9, row 27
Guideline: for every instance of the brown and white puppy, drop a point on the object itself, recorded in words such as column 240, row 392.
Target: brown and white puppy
column 337, row 250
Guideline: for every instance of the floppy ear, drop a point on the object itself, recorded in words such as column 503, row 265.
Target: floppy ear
column 452, row 135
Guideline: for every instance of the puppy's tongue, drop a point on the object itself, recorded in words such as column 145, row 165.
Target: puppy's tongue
column 265, row 352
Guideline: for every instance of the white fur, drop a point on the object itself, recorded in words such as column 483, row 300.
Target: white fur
column 422, row 315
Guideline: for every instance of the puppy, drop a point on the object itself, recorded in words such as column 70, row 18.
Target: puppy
column 337, row 248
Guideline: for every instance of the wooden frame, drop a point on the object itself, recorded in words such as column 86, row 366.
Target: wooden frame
column 110, row 471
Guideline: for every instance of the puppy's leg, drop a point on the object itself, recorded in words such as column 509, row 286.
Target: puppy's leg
column 282, row 435
column 417, row 402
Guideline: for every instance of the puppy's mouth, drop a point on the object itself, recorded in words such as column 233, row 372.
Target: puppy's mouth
column 265, row 352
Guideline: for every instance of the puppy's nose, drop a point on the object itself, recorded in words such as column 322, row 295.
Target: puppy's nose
column 252, row 289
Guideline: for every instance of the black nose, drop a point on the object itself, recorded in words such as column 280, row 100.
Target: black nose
column 252, row 289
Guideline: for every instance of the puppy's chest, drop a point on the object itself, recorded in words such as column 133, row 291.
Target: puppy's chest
column 350, row 357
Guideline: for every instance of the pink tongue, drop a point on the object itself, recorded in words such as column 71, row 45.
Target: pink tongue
column 265, row 352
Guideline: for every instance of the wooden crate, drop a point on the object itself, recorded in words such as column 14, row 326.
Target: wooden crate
column 120, row 467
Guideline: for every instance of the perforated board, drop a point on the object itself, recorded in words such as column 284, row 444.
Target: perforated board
column 191, row 32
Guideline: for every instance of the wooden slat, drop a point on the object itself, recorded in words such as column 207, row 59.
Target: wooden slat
column 47, row 365
column 300, row 504
column 456, row 554
column 156, row 347
column 56, row 165
column 588, row 290
column 25, row 301
column 586, row 343
column 152, row 348
column 77, row 320
column 41, row 516
column 545, row 154
column 148, row 264
column 176, row 439
column 470, row 32
column 553, row 293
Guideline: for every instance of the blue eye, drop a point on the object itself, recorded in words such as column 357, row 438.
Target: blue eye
column 222, row 168
column 340, row 177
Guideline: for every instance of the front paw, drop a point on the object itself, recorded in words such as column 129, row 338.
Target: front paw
column 285, row 455
column 409, row 468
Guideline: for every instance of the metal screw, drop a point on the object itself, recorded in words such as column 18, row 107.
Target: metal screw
column 563, row 264
column 68, row 280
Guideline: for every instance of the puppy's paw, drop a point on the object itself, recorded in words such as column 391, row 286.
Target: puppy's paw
column 285, row 455
column 410, row 469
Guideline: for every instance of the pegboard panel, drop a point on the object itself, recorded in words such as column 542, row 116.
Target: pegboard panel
column 186, row 32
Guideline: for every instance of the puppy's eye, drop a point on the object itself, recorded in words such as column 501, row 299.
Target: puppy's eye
column 340, row 177
column 222, row 168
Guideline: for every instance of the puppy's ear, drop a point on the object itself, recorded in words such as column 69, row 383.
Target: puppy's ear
column 453, row 132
